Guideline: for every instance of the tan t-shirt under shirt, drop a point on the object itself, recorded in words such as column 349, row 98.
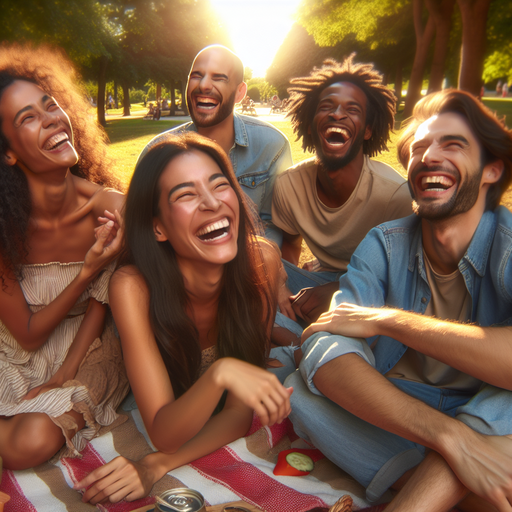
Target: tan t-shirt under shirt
column 450, row 301
column 333, row 234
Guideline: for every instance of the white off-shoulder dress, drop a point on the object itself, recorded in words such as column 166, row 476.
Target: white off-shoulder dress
column 100, row 383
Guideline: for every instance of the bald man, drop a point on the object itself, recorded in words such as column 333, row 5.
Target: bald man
column 257, row 150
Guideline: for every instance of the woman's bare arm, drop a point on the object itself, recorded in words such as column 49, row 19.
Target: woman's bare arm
column 124, row 479
column 31, row 330
column 171, row 423
column 91, row 328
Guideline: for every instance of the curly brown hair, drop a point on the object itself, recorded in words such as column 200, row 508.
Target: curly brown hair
column 380, row 111
column 50, row 69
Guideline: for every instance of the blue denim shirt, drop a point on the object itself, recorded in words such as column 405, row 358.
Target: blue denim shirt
column 259, row 153
column 388, row 269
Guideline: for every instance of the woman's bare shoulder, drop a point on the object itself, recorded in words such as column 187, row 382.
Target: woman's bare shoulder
column 99, row 198
column 128, row 279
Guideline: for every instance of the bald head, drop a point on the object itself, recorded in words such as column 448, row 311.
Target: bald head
column 230, row 61
column 215, row 84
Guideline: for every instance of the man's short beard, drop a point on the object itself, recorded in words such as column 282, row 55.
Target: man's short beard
column 226, row 108
column 335, row 163
column 461, row 202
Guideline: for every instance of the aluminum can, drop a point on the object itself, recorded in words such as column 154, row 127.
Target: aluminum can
column 181, row 500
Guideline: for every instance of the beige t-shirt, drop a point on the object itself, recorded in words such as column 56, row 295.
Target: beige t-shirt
column 450, row 301
column 333, row 234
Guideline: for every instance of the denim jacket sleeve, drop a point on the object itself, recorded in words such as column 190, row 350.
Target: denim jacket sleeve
column 364, row 284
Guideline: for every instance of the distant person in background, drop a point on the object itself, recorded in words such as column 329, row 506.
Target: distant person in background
column 257, row 150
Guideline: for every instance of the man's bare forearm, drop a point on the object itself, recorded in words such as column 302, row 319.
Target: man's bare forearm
column 483, row 352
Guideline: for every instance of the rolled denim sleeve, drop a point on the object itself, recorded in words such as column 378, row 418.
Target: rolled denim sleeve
column 323, row 347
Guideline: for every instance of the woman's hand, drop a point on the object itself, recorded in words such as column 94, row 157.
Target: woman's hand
column 109, row 243
column 56, row 381
column 257, row 388
column 119, row 479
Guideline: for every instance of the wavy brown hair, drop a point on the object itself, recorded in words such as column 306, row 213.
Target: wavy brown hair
column 494, row 137
column 246, row 306
column 380, row 110
column 50, row 69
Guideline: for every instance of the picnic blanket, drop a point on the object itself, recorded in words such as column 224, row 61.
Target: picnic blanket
column 242, row 470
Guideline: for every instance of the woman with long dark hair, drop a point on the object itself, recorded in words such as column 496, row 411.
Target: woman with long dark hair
column 194, row 307
column 60, row 362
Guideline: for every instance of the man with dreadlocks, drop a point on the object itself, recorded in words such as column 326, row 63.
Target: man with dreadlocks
column 343, row 113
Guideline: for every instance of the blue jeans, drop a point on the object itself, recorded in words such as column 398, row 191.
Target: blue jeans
column 374, row 457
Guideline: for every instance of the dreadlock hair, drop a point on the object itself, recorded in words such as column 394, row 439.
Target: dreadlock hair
column 494, row 137
column 50, row 69
column 380, row 108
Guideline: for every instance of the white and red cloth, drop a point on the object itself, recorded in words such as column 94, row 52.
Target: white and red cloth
column 242, row 470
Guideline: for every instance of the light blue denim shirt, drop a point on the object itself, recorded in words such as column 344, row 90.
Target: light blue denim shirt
column 388, row 269
column 259, row 153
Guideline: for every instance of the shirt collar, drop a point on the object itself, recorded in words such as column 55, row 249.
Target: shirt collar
column 477, row 252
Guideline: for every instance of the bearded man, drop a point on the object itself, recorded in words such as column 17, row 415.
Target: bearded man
column 406, row 382
column 258, row 150
column 344, row 113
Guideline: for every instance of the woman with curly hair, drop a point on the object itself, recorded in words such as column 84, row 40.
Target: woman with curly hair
column 60, row 362
column 194, row 306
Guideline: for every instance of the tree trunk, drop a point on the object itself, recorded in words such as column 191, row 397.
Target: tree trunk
column 441, row 11
column 158, row 92
column 102, row 82
column 398, row 83
column 126, row 99
column 474, row 21
column 116, row 103
column 423, row 40
column 172, row 110
column 184, row 97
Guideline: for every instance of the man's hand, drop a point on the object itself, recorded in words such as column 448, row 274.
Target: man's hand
column 310, row 303
column 350, row 320
column 484, row 465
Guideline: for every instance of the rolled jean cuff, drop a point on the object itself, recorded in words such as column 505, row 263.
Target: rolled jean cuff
column 392, row 470
column 489, row 412
column 323, row 347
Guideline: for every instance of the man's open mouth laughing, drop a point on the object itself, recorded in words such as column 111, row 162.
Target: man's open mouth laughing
column 215, row 231
column 335, row 137
column 205, row 103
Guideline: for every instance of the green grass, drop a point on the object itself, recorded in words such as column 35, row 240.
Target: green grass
column 502, row 107
column 128, row 138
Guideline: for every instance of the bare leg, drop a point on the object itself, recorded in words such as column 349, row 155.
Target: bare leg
column 27, row 440
column 433, row 487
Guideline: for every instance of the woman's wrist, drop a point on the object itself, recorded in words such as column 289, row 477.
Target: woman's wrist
column 157, row 465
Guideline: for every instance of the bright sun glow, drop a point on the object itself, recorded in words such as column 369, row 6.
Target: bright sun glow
column 257, row 28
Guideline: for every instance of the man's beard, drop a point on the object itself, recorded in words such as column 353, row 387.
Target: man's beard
column 332, row 163
column 207, row 120
column 461, row 201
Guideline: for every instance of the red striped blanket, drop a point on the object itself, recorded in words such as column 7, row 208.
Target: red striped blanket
column 240, row 471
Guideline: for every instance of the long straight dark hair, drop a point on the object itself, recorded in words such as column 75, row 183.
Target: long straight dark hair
column 246, row 307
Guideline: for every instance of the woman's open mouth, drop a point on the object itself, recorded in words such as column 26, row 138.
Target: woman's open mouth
column 215, row 231
column 55, row 141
